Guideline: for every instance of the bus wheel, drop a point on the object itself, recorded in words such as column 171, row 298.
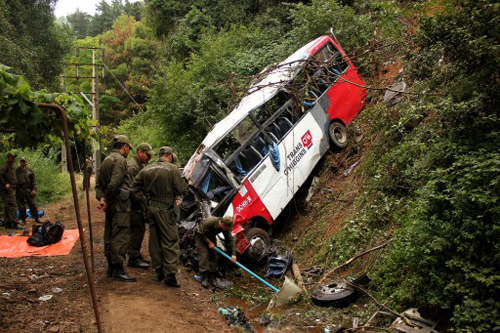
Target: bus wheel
column 259, row 242
column 338, row 134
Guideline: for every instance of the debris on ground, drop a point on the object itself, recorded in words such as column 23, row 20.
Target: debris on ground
column 394, row 93
column 414, row 323
column 277, row 266
column 45, row 298
column 349, row 170
column 57, row 290
column 312, row 188
column 288, row 294
column 236, row 317
column 336, row 294
column 313, row 271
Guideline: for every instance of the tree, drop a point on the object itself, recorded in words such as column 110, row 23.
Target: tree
column 79, row 22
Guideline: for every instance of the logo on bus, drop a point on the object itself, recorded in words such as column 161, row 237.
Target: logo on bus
column 307, row 140
column 243, row 204
column 298, row 152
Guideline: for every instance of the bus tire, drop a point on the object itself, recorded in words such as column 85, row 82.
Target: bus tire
column 259, row 241
column 338, row 134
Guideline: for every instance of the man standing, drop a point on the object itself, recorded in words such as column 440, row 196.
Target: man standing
column 89, row 170
column 26, row 191
column 163, row 184
column 8, row 183
column 112, row 192
column 205, row 238
column 138, row 209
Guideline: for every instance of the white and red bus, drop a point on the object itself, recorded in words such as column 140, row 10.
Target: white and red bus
column 252, row 163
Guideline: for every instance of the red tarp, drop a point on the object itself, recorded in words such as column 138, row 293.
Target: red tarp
column 17, row 247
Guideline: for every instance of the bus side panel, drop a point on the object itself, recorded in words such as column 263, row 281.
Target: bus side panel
column 300, row 151
column 346, row 97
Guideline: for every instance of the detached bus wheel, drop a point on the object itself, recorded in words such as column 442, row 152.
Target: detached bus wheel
column 259, row 242
column 338, row 134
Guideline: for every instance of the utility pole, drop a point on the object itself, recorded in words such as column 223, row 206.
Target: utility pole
column 95, row 113
column 97, row 56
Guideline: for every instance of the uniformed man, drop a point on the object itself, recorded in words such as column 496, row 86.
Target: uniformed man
column 26, row 191
column 138, row 209
column 163, row 184
column 8, row 184
column 88, row 171
column 175, row 160
column 112, row 192
column 205, row 238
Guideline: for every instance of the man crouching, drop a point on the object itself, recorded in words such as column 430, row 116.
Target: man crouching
column 205, row 238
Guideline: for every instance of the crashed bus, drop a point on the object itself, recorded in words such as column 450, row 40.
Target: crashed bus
column 253, row 162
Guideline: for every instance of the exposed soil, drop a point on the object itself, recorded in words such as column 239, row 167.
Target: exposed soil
column 143, row 306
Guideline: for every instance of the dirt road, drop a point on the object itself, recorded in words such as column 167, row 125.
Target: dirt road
column 143, row 306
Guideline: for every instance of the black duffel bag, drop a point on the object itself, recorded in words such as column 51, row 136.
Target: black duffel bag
column 46, row 234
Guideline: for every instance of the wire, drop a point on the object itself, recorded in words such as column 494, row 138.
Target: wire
column 121, row 85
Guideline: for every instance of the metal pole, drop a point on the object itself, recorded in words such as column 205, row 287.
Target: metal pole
column 95, row 114
column 90, row 275
column 86, row 179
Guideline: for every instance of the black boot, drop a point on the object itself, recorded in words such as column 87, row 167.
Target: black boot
column 171, row 281
column 119, row 274
column 138, row 262
column 109, row 272
column 205, row 279
column 159, row 276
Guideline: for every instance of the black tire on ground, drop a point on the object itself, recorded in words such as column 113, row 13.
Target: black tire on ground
column 259, row 242
column 338, row 135
column 336, row 294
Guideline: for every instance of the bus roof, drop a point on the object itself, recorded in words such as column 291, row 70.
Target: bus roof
column 260, row 92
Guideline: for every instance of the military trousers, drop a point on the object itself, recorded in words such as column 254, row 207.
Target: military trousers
column 24, row 198
column 117, row 231
column 207, row 257
column 137, row 230
column 163, row 240
column 10, row 209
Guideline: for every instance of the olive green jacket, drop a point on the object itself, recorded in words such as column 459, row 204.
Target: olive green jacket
column 26, row 178
column 209, row 228
column 160, row 181
column 112, row 177
column 8, row 175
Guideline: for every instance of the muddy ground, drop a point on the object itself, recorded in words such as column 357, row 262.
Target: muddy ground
column 144, row 306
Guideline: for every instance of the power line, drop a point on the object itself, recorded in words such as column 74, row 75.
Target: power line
column 121, row 85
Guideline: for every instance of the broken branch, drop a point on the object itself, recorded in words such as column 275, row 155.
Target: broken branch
column 352, row 259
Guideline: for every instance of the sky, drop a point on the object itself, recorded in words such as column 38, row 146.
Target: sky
column 65, row 7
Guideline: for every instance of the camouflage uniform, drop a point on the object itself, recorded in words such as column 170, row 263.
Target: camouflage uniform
column 8, row 176
column 162, row 183
column 26, row 182
column 112, row 185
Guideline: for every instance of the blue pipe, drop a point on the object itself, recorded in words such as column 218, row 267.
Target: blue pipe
column 248, row 271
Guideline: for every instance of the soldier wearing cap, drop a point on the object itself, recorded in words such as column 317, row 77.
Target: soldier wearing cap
column 205, row 238
column 8, row 184
column 26, row 191
column 138, row 208
column 112, row 192
column 163, row 184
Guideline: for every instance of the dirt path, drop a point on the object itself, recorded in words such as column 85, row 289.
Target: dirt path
column 144, row 306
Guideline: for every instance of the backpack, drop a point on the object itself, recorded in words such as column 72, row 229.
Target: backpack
column 46, row 234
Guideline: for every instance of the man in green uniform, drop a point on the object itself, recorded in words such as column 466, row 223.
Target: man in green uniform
column 26, row 191
column 88, row 171
column 8, row 184
column 205, row 238
column 112, row 192
column 138, row 208
column 163, row 184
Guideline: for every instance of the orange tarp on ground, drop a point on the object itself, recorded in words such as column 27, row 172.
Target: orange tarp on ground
column 17, row 247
